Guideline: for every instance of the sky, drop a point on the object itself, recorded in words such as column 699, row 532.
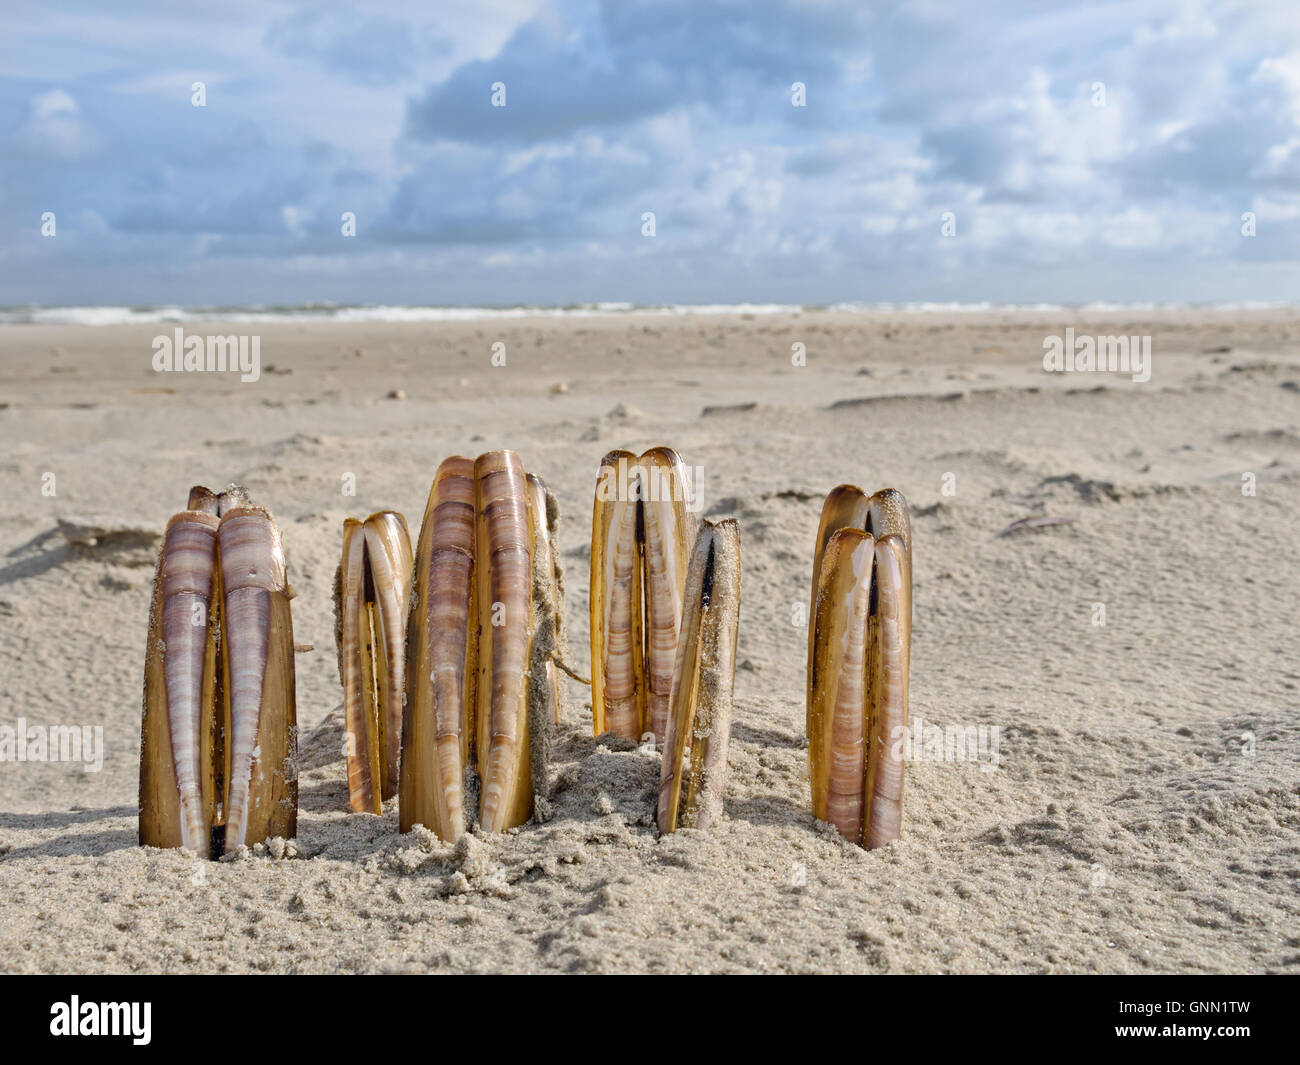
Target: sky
column 1013, row 151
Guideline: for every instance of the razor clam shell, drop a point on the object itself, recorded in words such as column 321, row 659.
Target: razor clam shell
column 388, row 559
column 174, row 808
column 691, row 792
column 261, row 738
column 670, row 530
column 846, row 507
column 505, row 565
column 543, row 515
column 889, row 664
column 617, row 692
column 438, row 723
column 355, row 651
column 545, row 684
column 838, row 724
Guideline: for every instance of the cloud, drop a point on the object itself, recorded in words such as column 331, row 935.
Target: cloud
column 54, row 130
column 372, row 49
column 50, row 104
column 583, row 66
column 1060, row 191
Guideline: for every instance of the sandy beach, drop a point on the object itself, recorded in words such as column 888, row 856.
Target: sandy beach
column 1140, row 812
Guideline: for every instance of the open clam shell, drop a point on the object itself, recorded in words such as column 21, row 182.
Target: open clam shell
column 693, row 773
column 643, row 526
column 858, row 662
column 372, row 589
column 219, row 730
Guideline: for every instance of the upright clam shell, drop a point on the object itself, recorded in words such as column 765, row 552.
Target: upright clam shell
column 890, row 651
column 846, row 507
column 176, row 786
column 694, row 768
column 858, row 662
column 218, row 737
column 482, row 690
column 643, row 526
column 373, row 583
column 670, row 524
column 438, row 727
column 545, row 640
column 262, row 788
column 838, row 715
column 505, row 622
column 617, row 692
column 356, row 670
column 388, row 557
column 548, row 594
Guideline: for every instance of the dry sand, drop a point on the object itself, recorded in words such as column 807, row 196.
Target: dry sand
column 1128, row 825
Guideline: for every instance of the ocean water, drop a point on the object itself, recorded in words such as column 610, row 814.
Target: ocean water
column 323, row 312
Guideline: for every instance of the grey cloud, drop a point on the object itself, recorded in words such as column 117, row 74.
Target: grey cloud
column 370, row 49
column 636, row 59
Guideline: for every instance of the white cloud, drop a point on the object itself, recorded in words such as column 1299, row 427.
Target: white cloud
column 1282, row 73
column 669, row 106
column 49, row 104
column 54, row 130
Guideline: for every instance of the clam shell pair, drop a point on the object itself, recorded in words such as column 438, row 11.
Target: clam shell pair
column 447, row 654
column 859, row 645
column 665, row 609
column 219, row 736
